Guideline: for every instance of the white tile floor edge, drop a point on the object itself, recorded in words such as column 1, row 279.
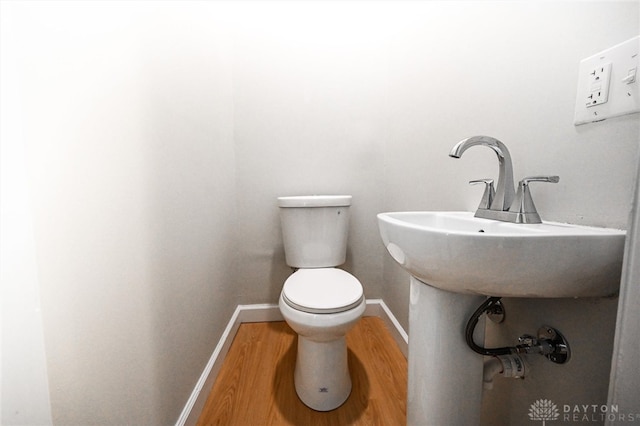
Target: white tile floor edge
column 264, row 313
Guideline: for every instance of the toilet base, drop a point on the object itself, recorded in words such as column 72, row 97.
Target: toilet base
column 321, row 375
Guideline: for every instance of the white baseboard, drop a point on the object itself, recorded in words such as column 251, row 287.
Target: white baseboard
column 265, row 313
column 377, row 308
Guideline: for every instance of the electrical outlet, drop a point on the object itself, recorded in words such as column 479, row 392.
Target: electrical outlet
column 598, row 82
column 607, row 84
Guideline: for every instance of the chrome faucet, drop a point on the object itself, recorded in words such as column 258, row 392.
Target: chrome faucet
column 505, row 192
column 503, row 203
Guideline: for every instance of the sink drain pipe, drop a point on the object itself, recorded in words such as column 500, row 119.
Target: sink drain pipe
column 506, row 365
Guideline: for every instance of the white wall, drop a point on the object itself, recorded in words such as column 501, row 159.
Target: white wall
column 310, row 118
column 127, row 114
column 24, row 386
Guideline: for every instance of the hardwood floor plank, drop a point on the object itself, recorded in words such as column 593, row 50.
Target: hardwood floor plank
column 255, row 385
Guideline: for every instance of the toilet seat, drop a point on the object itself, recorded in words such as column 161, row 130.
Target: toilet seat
column 322, row 291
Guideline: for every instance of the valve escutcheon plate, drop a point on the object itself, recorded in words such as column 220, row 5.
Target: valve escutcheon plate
column 562, row 352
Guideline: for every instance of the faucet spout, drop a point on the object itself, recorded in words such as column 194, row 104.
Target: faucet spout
column 505, row 191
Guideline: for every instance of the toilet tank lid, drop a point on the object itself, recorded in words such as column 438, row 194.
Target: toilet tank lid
column 315, row 201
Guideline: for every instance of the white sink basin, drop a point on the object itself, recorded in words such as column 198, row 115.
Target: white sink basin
column 457, row 252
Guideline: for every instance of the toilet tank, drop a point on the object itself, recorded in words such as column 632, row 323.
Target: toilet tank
column 314, row 230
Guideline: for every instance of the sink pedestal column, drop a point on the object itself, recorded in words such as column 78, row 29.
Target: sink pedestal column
column 445, row 375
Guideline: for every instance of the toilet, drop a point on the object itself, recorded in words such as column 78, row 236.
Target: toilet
column 319, row 301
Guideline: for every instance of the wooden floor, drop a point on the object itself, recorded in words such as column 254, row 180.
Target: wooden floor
column 255, row 385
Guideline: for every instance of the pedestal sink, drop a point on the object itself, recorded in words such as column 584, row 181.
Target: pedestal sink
column 458, row 252
column 455, row 260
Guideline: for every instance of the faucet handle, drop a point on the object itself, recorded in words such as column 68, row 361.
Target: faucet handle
column 523, row 203
column 549, row 179
column 489, row 192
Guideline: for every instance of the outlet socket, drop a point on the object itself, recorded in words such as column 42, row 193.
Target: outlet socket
column 598, row 82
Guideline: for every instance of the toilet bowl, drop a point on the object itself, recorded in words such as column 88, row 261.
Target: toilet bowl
column 319, row 301
column 321, row 306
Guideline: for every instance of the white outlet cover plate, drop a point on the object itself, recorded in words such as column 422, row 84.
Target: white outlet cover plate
column 624, row 90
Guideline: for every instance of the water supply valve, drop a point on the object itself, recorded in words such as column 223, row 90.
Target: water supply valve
column 550, row 343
